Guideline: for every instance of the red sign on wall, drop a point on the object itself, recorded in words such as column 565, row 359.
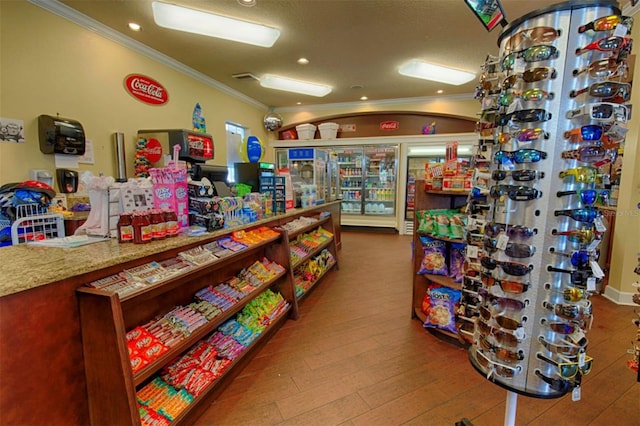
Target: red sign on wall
column 389, row 125
column 146, row 89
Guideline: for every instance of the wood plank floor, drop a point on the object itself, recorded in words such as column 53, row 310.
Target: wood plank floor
column 355, row 357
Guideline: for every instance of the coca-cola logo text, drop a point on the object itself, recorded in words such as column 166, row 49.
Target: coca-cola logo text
column 146, row 89
column 389, row 125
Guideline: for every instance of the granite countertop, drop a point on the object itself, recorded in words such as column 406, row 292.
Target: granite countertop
column 25, row 267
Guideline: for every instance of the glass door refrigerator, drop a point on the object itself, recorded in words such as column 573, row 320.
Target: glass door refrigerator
column 415, row 171
column 349, row 161
column 380, row 183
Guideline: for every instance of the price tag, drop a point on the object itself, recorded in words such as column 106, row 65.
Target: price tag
column 591, row 284
column 581, row 359
column 519, row 333
column 502, row 241
column 575, row 394
column 599, row 224
column 620, row 31
column 596, row 269
column 471, row 223
column 594, row 245
column 472, row 251
column 578, row 337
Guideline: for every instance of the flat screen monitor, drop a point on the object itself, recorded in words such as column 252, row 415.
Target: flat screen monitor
column 489, row 12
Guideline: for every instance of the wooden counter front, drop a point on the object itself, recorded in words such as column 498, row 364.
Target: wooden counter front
column 41, row 360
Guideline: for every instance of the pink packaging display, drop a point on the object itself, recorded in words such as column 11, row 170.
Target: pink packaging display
column 170, row 191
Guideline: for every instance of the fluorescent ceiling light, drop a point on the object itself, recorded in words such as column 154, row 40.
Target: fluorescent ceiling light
column 296, row 86
column 427, row 71
column 197, row 22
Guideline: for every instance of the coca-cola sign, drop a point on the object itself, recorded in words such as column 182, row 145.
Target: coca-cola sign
column 146, row 89
column 389, row 125
column 153, row 150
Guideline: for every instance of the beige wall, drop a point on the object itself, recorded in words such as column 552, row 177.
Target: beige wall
column 49, row 65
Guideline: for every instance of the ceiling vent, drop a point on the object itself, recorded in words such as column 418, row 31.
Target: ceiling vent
column 245, row 76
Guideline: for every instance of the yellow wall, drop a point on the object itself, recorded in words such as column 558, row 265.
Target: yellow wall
column 51, row 66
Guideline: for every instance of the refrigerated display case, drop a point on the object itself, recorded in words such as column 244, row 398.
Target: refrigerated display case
column 380, row 180
column 307, row 166
column 349, row 161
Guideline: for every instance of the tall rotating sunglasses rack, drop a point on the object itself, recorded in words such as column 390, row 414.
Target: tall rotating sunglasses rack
column 548, row 170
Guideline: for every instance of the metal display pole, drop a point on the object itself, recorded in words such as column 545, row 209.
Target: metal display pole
column 510, row 409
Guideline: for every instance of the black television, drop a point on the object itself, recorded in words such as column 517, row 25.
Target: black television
column 489, row 12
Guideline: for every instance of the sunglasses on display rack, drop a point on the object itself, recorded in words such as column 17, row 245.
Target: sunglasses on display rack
column 586, row 154
column 602, row 111
column 530, row 95
column 531, row 36
column 582, row 236
column 500, row 336
column 525, row 175
column 607, row 44
column 493, row 229
column 559, row 385
column 512, row 287
column 581, row 174
column 531, row 54
column 579, row 277
column 511, row 268
column 523, row 135
column 515, row 250
column 529, row 76
column 515, row 192
column 573, row 294
column 621, row 92
column 471, row 284
column 524, row 116
column 501, row 302
column 585, row 214
column 607, row 23
column 501, row 370
column 569, row 311
column 567, row 348
column 605, row 68
column 580, row 258
column 500, row 353
column 560, row 327
column 569, row 369
column 588, row 133
column 588, row 197
column 520, row 156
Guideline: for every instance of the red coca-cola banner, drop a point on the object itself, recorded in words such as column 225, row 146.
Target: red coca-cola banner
column 389, row 125
column 146, row 89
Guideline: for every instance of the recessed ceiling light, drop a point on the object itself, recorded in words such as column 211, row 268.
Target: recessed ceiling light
column 421, row 69
column 298, row 103
column 439, row 91
column 363, row 98
column 135, row 27
column 296, row 86
column 303, row 61
column 248, row 3
column 357, row 86
column 212, row 25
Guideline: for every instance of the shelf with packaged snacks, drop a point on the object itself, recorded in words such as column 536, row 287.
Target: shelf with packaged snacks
column 442, row 238
column 149, row 326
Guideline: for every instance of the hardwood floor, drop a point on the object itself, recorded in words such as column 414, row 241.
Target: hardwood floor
column 355, row 357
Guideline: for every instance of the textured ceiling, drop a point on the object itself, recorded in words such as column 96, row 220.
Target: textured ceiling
column 348, row 43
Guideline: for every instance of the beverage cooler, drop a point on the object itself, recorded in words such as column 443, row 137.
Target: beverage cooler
column 309, row 166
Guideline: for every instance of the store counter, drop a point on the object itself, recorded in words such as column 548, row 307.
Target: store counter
column 41, row 362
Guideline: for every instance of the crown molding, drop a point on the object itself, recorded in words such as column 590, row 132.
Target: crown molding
column 91, row 24
column 383, row 102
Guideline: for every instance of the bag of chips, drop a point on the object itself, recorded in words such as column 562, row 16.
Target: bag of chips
column 457, row 252
column 440, row 305
column 434, row 257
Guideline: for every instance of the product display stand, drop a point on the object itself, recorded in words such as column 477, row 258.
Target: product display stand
column 556, row 99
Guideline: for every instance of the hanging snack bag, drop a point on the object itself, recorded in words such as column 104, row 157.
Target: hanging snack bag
column 442, row 223
column 457, row 252
column 434, row 257
column 440, row 304
column 425, row 221
column 457, row 223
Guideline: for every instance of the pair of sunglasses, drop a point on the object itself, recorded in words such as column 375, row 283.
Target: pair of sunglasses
column 607, row 112
column 493, row 229
column 501, row 302
column 534, row 94
column 524, row 116
column 529, row 76
column 501, row 370
column 588, row 133
column 605, row 68
column 500, row 353
column 586, row 154
column 582, row 236
column 531, row 36
column 581, row 174
column 569, row 311
column 607, row 44
column 502, row 337
column 566, row 349
column 621, row 92
column 579, row 277
column 559, row 385
column 607, row 23
column 530, row 54
column 585, row 214
column 523, row 135
column 511, row 287
column 525, row 175
column 515, row 250
column 520, row 156
column 580, row 258
column 569, row 369
column 588, row 197
column 515, row 192
column 511, row 268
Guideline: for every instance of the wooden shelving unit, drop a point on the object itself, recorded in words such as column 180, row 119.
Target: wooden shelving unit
column 106, row 318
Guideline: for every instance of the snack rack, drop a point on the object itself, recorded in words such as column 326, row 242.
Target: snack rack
column 32, row 225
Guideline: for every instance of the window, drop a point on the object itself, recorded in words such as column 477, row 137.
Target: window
column 235, row 135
